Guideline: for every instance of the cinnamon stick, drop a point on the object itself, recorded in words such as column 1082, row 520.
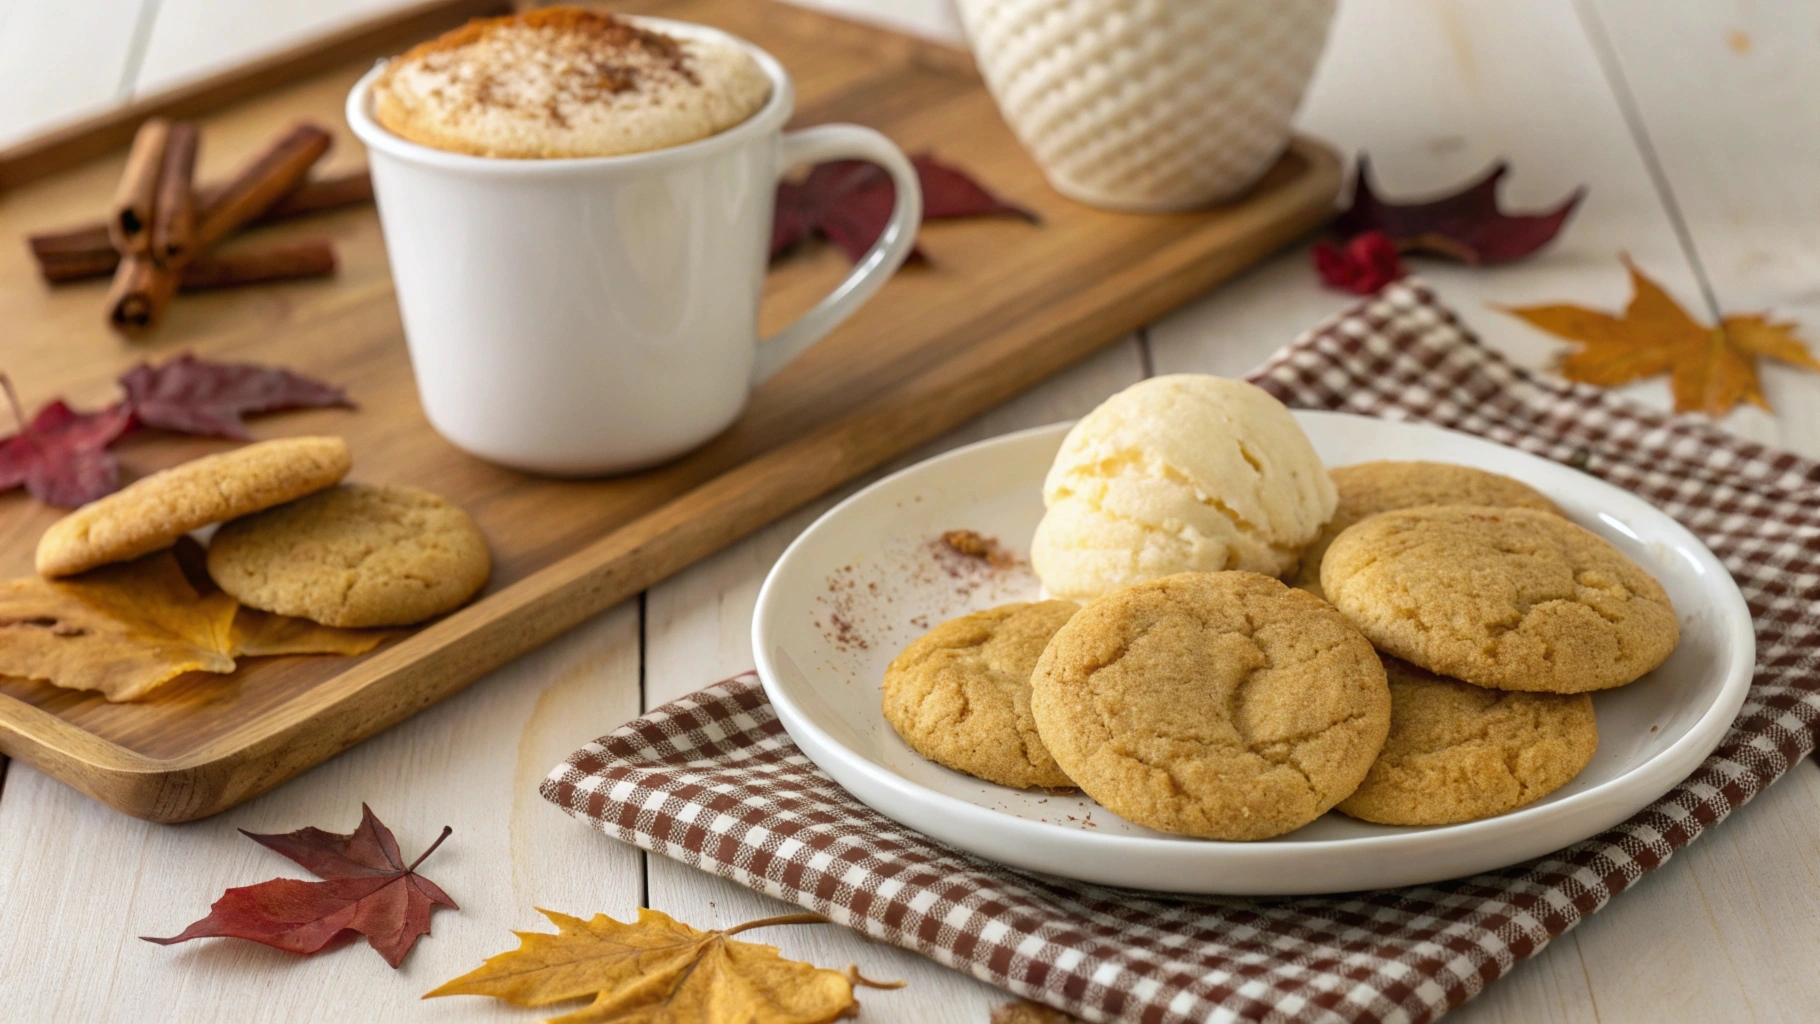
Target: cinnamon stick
column 260, row 184
column 79, row 253
column 143, row 287
column 130, row 220
column 141, row 290
column 74, row 255
column 173, row 216
column 329, row 192
column 253, row 266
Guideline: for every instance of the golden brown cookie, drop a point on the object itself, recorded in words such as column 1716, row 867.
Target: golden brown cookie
column 153, row 512
column 1372, row 487
column 960, row 694
column 1223, row 705
column 1459, row 752
column 1509, row 598
column 356, row 555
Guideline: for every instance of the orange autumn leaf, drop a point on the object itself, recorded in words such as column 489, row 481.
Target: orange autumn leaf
column 125, row 629
column 659, row 969
column 1711, row 369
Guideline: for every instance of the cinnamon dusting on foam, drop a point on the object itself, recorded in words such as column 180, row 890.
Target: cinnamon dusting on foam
column 566, row 82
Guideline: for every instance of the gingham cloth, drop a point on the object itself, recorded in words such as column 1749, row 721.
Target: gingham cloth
column 714, row 781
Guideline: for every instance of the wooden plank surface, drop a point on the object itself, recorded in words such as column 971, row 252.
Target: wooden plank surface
column 698, row 629
column 85, row 880
column 1722, row 932
column 1001, row 305
column 1726, row 98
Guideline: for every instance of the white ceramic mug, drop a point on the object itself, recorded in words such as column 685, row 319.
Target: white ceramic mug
column 598, row 315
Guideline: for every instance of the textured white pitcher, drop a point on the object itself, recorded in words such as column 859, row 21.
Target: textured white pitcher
column 1149, row 105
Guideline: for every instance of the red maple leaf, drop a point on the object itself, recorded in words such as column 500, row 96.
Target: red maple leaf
column 61, row 456
column 1465, row 225
column 199, row 396
column 1367, row 263
column 366, row 889
column 848, row 202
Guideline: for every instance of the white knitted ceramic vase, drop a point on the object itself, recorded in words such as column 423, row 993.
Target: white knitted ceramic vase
column 1149, row 105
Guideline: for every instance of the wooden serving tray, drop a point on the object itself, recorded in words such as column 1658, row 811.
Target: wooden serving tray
column 1001, row 305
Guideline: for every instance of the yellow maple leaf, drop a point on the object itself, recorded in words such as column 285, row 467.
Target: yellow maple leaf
column 121, row 629
column 258, row 634
column 126, row 629
column 1711, row 369
column 659, row 970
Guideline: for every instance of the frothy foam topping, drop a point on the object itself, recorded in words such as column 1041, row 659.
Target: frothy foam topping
column 566, row 82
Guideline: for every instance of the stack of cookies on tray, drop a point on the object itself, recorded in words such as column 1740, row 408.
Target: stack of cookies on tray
column 1429, row 661
column 293, row 539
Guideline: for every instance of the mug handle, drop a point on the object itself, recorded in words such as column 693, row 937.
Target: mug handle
column 846, row 142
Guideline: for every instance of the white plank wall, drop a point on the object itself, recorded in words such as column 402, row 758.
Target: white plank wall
column 196, row 38
column 62, row 61
column 1697, row 131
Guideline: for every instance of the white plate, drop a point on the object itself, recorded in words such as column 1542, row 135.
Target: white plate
column 869, row 576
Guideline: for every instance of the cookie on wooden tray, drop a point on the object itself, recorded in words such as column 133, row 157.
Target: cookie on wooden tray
column 960, row 694
column 1222, row 705
column 357, row 555
column 1509, row 598
column 1368, row 488
column 1459, row 752
column 151, row 513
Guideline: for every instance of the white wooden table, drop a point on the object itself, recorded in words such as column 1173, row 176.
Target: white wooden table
column 1696, row 128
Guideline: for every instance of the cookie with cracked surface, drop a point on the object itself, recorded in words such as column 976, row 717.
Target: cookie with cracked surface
column 1368, row 488
column 1509, row 598
column 357, row 555
column 1459, row 752
column 960, row 694
column 152, row 512
column 1221, row 705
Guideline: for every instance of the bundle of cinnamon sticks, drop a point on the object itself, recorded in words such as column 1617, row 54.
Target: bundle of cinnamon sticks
column 162, row 229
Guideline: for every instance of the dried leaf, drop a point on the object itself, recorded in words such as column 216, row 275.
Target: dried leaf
column 1466, row 225
column 366, row 889
column 198, row 396
column 849, row 203
column 61, row 456
column 122, row 629
column 1367, row 263
column 1711, row 369
column 659, row 969
column 126, row 629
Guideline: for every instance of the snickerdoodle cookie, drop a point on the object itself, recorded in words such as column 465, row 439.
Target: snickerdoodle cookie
column 1368, row 488
column 355, row 555
column 960, row 694
column 1459, row 752
column 150, row 514
column 1222, row 705
column 1510, row 598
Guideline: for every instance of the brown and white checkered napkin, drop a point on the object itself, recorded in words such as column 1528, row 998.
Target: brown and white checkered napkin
column 714, row 781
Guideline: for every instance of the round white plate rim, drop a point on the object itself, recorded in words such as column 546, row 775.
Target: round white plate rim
column 1653, row 777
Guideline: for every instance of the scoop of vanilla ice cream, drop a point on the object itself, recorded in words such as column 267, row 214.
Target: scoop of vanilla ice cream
column 1184, row 473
